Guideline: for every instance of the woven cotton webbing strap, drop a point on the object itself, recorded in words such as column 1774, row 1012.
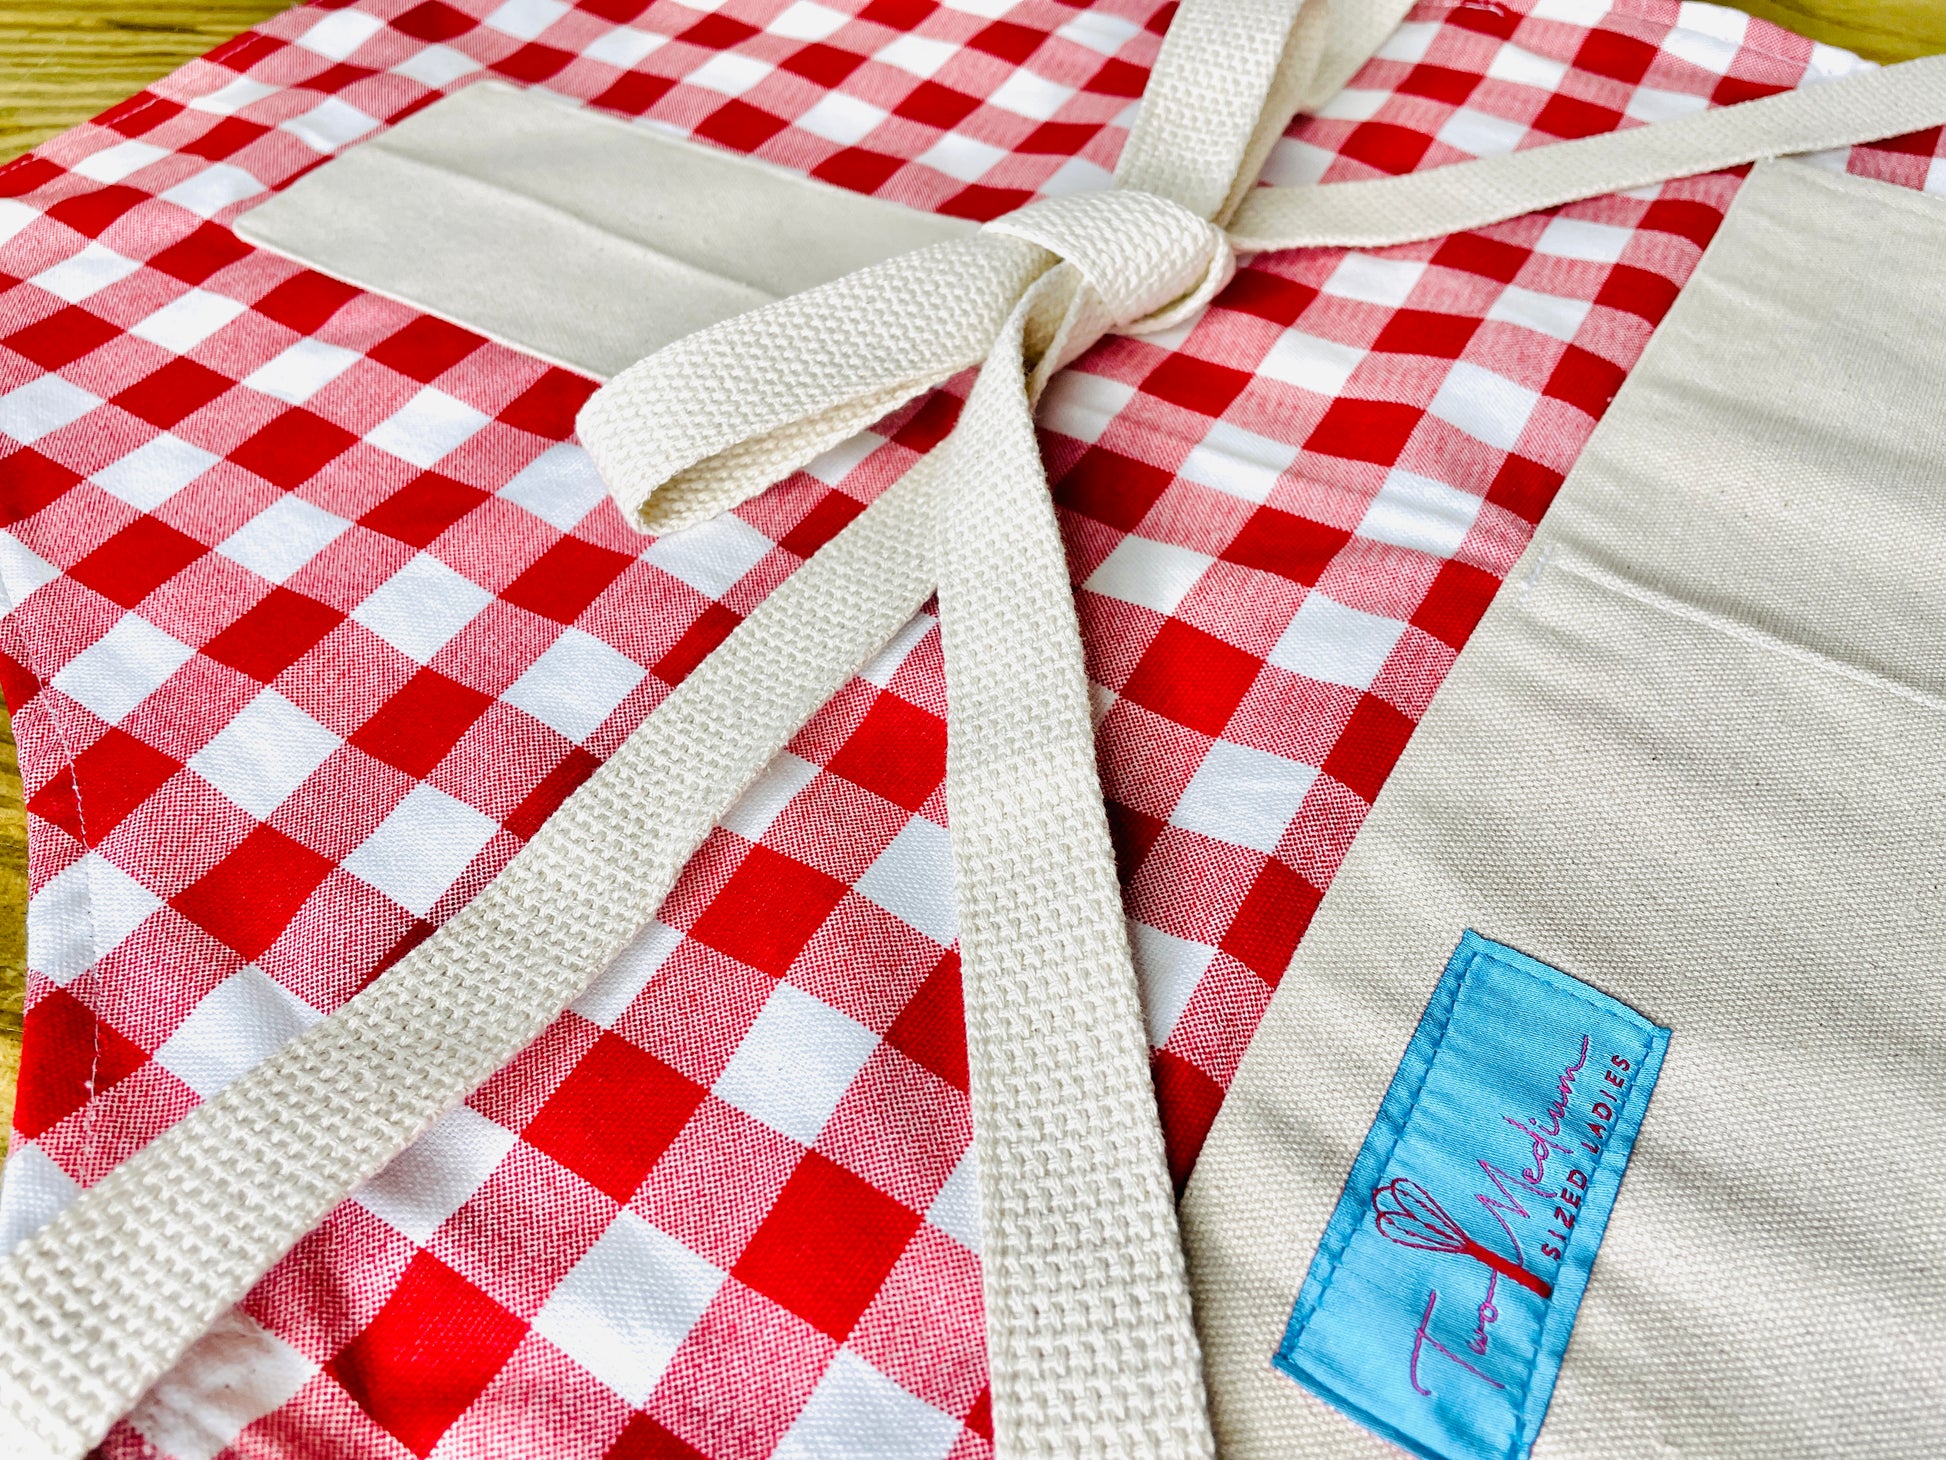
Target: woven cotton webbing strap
column 1091, row 1344
column 1862, row 107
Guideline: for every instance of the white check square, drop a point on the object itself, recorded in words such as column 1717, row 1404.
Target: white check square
column 42, row 407
column 122, row 668
column 524, row 20
column 855, row 1410
column 795, row 1063
column 560, row 486
column 918, row 55
column 1237, row 462
column 421, row 607
column 912, row 879
column 15, row 218
column 301, row 371
column 1578, row 238
column 81, row 915
column 183, row 324
column 1078, row 175
column 1081, row 405
column 1157, row 575
column 282, row 538
column 1029, row 95
column 1104, row 33
column 87, row 273
column 420, row 850
column 440, row 66
column 155, row 471
column 1243, row 795
column 842, row 119
column 124, row 159
column 433, row 1177
column 1648, row 104
column 33, row 1193
column 1484, row 405
column 1525, row 68
column 1168, row 968
column 624, row 47
column 1417, row 512
column 1481, row 134
column 625, row 1308
column 804, row 21
column 955, row 1210
column 615, row 987
column 1375, row 281
column 1295, row 164
column 712, row 556
column 884, row 665
column 1311, row 363
column 233, row 96
column 961, row 157
column 1328, row 641
column 266, row 752
column 752, row 812
column 215, row 188
column 1354, row 104
column 22, row 570
column 730, row 73
column 575, row 685
column 427, row 427
column 232, row 1376
column 340, row 33
column 1548, row 314
column 234, row 1028
column 329, row 125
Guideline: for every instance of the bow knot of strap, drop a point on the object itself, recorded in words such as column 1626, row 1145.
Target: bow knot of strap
column 1152, row 261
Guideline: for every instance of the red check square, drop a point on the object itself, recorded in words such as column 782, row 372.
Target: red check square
column 614, row 1116
column 827, row 1245
column 768, row 910
column 434, row 1346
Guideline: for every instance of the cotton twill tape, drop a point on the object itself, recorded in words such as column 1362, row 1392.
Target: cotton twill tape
column 110, row 1293
column 1091, row 1344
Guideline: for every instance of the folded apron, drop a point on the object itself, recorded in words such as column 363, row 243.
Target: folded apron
column 725, row 1201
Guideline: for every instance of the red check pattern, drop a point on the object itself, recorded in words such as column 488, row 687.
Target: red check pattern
column 316, row 613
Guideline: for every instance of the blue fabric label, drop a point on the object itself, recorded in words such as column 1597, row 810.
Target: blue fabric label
column 1441, row 1298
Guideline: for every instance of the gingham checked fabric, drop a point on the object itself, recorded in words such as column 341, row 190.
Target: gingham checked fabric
column 315, row 614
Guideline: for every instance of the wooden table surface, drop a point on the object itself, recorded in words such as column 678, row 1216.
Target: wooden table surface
column 63, row 61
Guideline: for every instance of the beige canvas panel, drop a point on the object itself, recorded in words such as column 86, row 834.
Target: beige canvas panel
column 1693, row 756
column 577, row 236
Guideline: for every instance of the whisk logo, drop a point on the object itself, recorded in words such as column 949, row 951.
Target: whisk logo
column 1446, row 1284
column 1406, row 1212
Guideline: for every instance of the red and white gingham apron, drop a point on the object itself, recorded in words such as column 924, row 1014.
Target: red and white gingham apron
column 316, row 614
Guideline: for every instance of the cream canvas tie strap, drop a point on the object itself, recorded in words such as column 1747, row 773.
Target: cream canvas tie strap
column 1091, row 1347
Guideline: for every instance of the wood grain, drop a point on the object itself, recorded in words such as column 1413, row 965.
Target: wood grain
column 1883, row 30
column 63, row 62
